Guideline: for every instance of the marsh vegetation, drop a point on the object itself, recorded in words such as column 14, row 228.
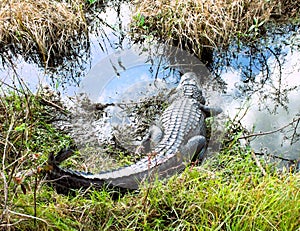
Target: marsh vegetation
column 42, row 31
column 198, row 25
column 229, row 191
column 232, row 190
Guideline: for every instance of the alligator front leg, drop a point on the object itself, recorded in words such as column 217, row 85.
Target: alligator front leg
column 194, row 148
column 211, row 111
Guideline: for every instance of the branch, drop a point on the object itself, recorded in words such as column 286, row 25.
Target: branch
column 270, row 132
column 28, row 216
column 274, row 156
column 52, row 104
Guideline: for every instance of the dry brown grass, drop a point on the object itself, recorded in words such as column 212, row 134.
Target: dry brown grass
column 197, row 23
column 45, row 28
column 290, row 8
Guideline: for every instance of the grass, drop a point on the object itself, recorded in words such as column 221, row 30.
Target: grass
column 41, row 30
column 26, row 138
column 195, row 24
column 227, row 192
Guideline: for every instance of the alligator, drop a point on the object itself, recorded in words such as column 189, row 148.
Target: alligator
column 171, row 144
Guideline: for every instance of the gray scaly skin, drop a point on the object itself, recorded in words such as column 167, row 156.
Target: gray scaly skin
column 173, row 142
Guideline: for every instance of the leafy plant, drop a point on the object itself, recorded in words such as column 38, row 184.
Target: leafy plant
column 254, row 29
column 92, row 1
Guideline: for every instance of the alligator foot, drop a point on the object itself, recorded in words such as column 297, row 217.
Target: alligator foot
column 196, row 144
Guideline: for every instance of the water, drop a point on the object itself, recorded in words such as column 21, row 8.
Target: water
column 257, row 83
column 263, row 80
column 140, row 71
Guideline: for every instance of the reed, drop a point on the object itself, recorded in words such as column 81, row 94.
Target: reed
column 46, row 29
column 195, row 24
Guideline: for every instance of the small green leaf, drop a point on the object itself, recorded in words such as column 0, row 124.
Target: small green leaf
column 252, row 28
column 142, row 20
column 57, row 85
column 20, row 128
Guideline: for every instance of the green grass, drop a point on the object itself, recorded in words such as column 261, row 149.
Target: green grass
column 197, row 199
column 227, row 192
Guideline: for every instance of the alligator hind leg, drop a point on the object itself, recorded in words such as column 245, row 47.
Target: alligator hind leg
column 194, row 148
column 153, row 137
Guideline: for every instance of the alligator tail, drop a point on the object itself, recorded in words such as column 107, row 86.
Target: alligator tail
column 66, row 181
column 62, row 155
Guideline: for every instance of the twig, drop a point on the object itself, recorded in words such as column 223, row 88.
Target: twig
column 270, row 132
column 258, row 163
column 12, row 224
column 295, row 132
column 144, row 203
column 28, row 216
column 5, row 195
column 34, row 198
column 12, row 87
column 274, row 156
column 49, row 103
column 7, row 140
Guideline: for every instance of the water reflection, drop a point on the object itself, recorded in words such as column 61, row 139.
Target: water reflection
column 265, row 76
column 107, row 26
column 144, row 66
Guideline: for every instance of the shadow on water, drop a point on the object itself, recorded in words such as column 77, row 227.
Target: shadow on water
column 257, row 83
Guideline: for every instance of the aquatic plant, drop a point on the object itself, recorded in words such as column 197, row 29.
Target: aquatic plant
column 41, row 30
column 195, row 24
